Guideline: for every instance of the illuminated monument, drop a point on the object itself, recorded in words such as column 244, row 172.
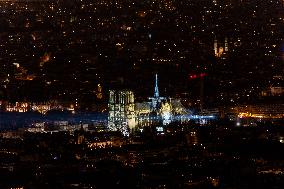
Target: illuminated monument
column 159, row 110
column 121, row 116
column 126, row 115
column 156, row 100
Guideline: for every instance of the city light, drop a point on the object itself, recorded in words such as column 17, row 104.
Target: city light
column 141, row 94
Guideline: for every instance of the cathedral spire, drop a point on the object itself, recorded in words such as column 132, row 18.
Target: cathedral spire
column 156, row 92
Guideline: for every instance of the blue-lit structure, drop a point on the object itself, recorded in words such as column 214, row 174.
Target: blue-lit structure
column 156, row 99
column 125, row 114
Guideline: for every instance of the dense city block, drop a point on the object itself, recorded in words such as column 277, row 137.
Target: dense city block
column 150, row 94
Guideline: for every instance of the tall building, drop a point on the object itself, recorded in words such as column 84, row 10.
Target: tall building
column 121, row 116
column 156, row 99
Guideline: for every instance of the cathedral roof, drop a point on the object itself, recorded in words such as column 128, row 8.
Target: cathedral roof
column 143, row 107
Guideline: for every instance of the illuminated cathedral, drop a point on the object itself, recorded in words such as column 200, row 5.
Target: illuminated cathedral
column 125, row 114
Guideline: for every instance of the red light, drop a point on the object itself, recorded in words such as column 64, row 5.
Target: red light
column 203, row 74
column 195, row 76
